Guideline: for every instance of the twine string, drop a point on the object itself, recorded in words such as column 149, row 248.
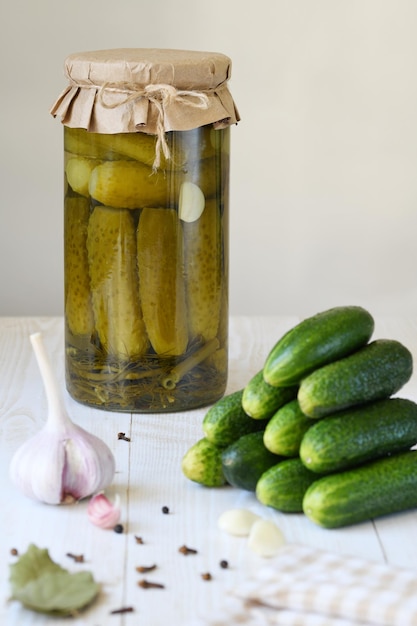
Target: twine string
column 161, row 96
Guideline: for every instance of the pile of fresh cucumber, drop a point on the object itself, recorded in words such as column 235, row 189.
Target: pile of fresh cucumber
column 320, row 428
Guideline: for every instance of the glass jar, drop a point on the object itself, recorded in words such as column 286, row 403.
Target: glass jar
column 146, row 266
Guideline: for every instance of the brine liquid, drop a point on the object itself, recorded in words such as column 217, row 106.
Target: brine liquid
column 146, row 269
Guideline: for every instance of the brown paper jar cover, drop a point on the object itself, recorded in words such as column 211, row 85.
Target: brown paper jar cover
column 146, row 90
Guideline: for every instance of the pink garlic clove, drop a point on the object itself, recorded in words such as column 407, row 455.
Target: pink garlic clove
column 102, row 512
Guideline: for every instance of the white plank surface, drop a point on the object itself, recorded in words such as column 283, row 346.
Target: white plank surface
column 149, row 477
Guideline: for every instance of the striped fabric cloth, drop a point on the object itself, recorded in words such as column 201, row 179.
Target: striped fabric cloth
column 310, row 587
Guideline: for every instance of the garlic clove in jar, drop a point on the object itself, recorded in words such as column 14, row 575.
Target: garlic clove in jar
column 191, row 202
column 62, row 462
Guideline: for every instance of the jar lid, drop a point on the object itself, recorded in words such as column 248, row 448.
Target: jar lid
column 146, row 90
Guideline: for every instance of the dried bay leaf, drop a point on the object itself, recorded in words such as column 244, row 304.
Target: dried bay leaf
column 42, row 585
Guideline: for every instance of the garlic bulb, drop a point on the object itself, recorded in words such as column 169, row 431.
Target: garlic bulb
column 63, row 462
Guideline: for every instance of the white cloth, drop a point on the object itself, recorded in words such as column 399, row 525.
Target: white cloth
column 310, row 587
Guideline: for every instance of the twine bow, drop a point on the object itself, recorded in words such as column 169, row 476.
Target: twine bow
column 161, row 95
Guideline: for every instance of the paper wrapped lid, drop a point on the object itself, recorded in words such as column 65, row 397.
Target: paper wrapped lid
column 146, row 90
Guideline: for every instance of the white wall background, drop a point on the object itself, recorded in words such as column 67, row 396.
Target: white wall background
column 324, row 161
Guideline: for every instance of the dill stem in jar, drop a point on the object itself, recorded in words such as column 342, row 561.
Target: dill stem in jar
column 177, row 372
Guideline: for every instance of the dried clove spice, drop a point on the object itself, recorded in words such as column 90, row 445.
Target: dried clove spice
column 123, row 437
column 146, row 584
column 124, row 609
column 144, row 569
column 186, row 551
column 77, row 558
column 139, row 539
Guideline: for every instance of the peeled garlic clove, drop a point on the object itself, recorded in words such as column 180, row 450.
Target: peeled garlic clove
column 102, row 512
column 78, row 171
column 265, row 538
column 237, row 521
column 191, row 202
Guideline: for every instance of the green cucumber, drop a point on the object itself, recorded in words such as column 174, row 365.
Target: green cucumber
column 377, row 488
column 202, row 464
column 316, row 341
column 285, row 430
column 283, row 486
column 226, row 420
column 374, row 372
column 261, row 400
column 361, row 434
column 245, row 460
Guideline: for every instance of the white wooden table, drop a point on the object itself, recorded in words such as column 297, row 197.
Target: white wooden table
column 149, row 477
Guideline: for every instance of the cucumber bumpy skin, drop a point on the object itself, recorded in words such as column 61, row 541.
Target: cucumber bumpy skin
column 261, row 400
column 161, row 282
column 377, row 488
column 283, row 486
column 316, row 341
column 245, row 460
column 134, row 185
column 202, row 464
column 128, row 184
column 78, row 308
column 357, row 435
column 374, row 372
column 226, row 421
column 203, row 259
column 285, row 430
column 111, row 245
column 112, row 147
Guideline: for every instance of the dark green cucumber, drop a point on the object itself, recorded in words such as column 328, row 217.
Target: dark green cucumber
column 316, row 341
column 226, row 421
column 377, row 488
column 245, row 460
column 285, row 430
column 202, row 464
column 361, row 434
column 261, row 400
column 374, row 372
column 283, row 486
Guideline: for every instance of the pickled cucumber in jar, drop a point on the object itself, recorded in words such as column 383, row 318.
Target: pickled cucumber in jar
column 146, row 269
